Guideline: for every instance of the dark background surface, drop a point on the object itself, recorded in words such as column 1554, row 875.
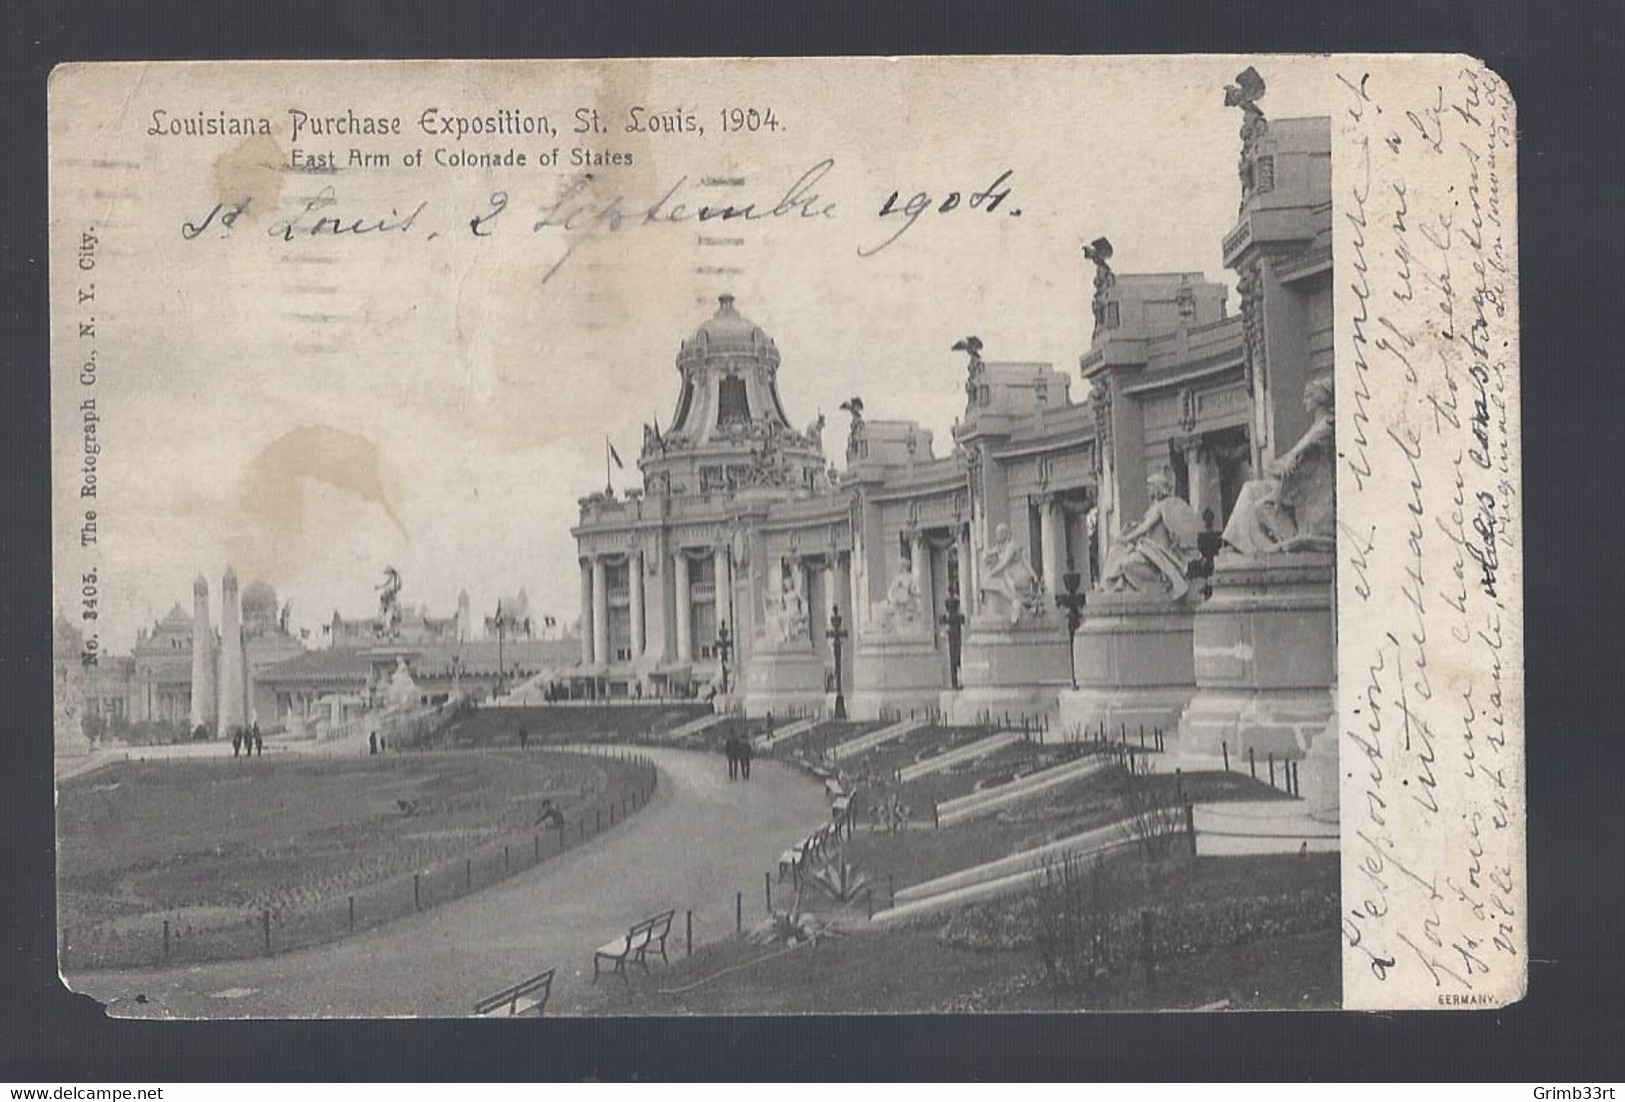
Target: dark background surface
column 1563, row 63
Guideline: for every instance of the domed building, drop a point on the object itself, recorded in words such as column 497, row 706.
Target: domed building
column 665, row 566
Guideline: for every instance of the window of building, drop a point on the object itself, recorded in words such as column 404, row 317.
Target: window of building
column 733, row 407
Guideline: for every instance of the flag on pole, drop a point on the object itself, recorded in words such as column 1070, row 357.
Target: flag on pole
column 613, row 454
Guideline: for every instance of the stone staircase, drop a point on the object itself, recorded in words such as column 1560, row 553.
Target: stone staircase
column 1005, row 876
column 786, row 733
column 989, row 800
column 862, row 743
column 968, row 752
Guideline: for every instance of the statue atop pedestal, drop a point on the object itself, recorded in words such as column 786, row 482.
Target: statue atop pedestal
column 1155, row 555
column 403, row 690
column 1008, row 586
column 1293, row 508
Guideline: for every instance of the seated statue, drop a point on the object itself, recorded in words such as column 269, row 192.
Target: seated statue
column 1006, row 576
column 1292, row 508
column 1157, row 552
column 901, row 608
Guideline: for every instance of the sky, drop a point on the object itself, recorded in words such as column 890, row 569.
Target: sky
column 313, row 410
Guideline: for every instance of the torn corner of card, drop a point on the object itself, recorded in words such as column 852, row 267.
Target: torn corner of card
column 1164, row 556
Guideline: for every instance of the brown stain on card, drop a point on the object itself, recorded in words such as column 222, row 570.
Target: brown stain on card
column 298, row 494
column 253, row 169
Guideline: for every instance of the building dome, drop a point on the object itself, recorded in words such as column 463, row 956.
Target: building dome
column 727, row 326
column 259, row 599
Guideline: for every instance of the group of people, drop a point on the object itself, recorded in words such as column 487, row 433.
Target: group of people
column 739, row 752
column 376, row 744
column 249, row 742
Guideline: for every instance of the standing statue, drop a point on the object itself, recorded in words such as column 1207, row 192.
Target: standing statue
column 1245, row 94
column 972, row 347
column 790, row 617
column 1293, row 508
column 854, row 436
column 1160, row 549
column 1006, row 576
column 815, row 432
column 1099, row 253
column 389, row 609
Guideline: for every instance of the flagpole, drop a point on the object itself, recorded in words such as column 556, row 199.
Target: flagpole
column 609, row 486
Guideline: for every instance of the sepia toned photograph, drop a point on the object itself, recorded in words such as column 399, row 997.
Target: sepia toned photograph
column 815, row 536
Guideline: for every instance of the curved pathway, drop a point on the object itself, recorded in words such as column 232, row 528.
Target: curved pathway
column 701, row 839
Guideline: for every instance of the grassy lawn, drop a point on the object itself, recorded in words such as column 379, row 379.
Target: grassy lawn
column 1251, row 932
column 210, row 844
column 922, row 853
column 554, row 724
column 808, row 748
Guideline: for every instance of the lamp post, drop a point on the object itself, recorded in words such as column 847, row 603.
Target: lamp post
column 1073, row 601
column 954, row 620
column 837, row 633
column 725, row 647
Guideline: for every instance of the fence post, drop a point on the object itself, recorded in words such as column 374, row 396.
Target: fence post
column 1142, row 736
column 504, row 857
column 265, row 925
column 1225, row 748
column 1179, row 784
column 1272, row 768
column 767, row 887
column 690, row 924
column 417, row 898
column 166, row 939
column 352, row 914
column 1190, row 826
column 1252, row 763
column 936, row 817
column 739, row 912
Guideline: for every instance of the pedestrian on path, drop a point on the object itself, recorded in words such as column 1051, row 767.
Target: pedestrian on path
column 372, row 744
column 731, row 748
column 744, row 757
column 236, row 743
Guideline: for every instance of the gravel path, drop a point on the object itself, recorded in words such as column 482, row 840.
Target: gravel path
column 699, row 841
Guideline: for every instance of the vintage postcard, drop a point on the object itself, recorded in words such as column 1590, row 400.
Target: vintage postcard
column 865, row 535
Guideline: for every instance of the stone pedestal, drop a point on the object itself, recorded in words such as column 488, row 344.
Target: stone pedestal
column 1135, row 666
column 902, row 673
column 1018, row 669
column 782, row 677
column 1264, row 657
column 1319, row 776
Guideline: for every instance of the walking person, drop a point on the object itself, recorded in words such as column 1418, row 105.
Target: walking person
column 731, row 748
column 236, row 743
column 372, row 744
column 745, row 753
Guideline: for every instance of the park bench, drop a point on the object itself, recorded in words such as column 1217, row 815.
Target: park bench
column 528, row 997
column 641, row 938
column 792, row 859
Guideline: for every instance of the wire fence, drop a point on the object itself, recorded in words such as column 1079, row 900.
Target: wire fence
column 445, row 871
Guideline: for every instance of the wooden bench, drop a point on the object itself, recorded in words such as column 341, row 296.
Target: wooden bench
column 642, row 938
column 792, row 859
column 529, row 997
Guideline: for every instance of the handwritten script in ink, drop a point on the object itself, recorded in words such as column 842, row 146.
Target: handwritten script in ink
column 1430, row 627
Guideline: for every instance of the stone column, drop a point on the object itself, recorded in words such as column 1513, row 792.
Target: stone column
column 724, row 590
column 967, row 584
column 634, row 568
column 1196, row 479
column 600, row 612
column 922, row 573
column 233, row 687
column 205, row 697
column 587, row 656
column 1050, row 545
column 685, row 636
